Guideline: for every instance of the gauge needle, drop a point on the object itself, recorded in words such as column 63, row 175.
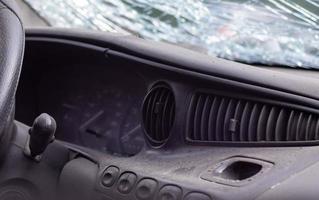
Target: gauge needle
column 128, row 135
column 92, row 119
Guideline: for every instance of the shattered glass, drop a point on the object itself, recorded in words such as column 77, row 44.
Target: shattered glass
column 271, row 32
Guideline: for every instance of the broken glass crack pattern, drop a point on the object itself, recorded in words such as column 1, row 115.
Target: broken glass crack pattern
column 271, row 32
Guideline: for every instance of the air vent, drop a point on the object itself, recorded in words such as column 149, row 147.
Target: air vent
column 213, row 118
column 158, row 114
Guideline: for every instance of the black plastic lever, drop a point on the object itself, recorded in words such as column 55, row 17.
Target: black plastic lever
column 41, row 135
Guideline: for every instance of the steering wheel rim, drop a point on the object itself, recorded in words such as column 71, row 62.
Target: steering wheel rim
column 11, row 55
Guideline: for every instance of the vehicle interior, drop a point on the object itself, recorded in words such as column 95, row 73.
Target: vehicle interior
column 103, row 116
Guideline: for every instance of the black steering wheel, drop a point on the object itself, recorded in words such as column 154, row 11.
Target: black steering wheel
column 11, row 56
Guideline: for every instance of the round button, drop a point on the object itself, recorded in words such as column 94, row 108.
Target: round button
column 170, row 192
column 197, row 196
column 146, row 189
column 109, row 176
column 126, row 182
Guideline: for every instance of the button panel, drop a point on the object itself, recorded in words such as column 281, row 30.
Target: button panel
column 126, row 182
column 197, row 196
column 129, row 186
column 170, row 192
column 146, row 189
column 110, row 175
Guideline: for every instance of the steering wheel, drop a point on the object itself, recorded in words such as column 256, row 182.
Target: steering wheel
column 11, row 56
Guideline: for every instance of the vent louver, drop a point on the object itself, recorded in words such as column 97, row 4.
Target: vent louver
column 213, row 118
column 158, row 114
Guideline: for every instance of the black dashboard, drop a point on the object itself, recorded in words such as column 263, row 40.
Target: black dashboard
column 92, row 104
column 151, row 124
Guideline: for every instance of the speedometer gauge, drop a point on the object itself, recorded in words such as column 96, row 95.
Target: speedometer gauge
column 98, row 111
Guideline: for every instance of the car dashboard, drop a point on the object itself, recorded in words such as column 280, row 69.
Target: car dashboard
column 159, row 124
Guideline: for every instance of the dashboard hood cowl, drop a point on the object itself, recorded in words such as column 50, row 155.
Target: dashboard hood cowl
column 187, row 59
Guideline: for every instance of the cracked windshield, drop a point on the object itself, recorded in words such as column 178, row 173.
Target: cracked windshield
column 265, row 32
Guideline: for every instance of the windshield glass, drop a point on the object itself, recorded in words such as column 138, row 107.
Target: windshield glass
column 270, row 32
